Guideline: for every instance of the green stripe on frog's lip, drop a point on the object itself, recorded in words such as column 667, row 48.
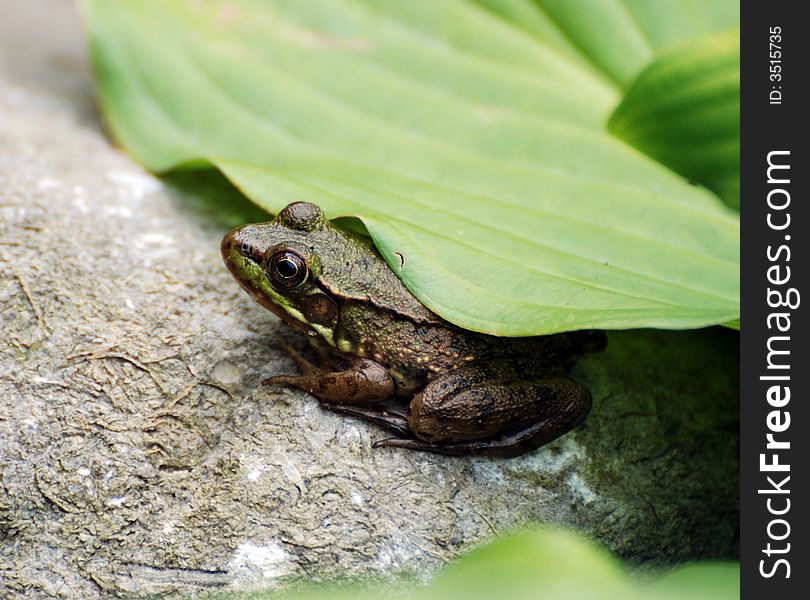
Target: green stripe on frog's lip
column 251, row 276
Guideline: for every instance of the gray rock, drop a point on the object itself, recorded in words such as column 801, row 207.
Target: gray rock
column 139, row 454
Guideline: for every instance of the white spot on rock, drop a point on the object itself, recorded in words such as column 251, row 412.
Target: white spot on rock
column 256, row 471
column 293, row 474
column 357, row 498
column 580, row 488
column 47, row 183
column 156, row 238
column 254, row 562
column 396, row 554
column 118, row 211
column 555, row 459
column 136, row 185
column 225, row 372
column 81, row 203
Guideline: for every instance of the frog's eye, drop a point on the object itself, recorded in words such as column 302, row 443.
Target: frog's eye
column 288, row 269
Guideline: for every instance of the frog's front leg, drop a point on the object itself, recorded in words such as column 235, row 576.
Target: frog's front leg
column 460, row 413
column 362, row 382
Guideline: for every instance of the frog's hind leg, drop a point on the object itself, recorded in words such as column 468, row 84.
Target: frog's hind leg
column 495, row 417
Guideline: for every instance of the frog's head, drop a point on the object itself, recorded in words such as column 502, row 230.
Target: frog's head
column 281, row 264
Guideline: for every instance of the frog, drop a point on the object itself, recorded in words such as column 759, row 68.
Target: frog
column 381, row 355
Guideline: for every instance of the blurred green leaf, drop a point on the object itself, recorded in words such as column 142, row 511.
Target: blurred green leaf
column 706, row 581
column 532, row 565
column 539, row 564
column 684, row 110
column 468, row 144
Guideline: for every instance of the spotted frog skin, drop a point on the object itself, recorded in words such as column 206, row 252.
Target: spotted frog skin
column 378, row 348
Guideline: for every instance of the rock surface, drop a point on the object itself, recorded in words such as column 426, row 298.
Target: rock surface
column 139, row 454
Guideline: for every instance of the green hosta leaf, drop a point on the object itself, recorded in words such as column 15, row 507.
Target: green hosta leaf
column 617, row 37
column 473, row 150
column 684, row 110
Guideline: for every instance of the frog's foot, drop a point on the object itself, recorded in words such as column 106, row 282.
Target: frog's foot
column 391, row 420
column 365, row 383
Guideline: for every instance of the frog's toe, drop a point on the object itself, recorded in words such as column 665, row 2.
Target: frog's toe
column 505, row 447
column 416, row 444
column 393, row 421
column 281, row 380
